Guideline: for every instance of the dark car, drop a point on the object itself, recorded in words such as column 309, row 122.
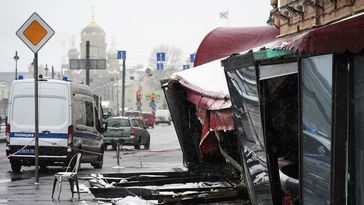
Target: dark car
column 129, row 131
column 149, row 119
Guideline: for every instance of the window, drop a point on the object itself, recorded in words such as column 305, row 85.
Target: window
column 89, row 114
column 359, row 128
column 316, row 105
column 79, row 113
column 52, row 111
column 114, row 122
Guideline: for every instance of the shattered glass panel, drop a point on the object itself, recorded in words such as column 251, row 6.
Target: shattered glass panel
column 316, row 89
column 244, row 96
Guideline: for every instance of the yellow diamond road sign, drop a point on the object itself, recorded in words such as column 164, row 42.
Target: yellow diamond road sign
column 35, row 32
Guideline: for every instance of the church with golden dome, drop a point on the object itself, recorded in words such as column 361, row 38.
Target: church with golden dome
column 106, row 82
column 103, row 82
column 96, row 35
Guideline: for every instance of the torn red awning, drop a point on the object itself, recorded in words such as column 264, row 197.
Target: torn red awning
column 222, row 42
column 207, row 89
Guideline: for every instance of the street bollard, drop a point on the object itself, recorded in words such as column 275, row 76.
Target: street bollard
column 118, row 144
column 118, row 153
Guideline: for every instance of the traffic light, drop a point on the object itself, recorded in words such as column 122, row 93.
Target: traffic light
column 153, row 97
column 138, row 96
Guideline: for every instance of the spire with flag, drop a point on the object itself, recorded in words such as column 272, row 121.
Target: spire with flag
column 225, row 15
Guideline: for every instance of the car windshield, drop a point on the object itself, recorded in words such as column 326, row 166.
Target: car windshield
column 118, row 123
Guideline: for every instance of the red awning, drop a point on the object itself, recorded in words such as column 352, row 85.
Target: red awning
column 338, row 37
column 222, row 42
column 206, row 86
column 207, row 89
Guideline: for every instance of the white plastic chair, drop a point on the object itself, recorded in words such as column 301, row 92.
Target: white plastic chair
column 70, row 175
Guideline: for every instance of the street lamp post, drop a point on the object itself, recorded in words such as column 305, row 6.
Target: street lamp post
column 46, row 70
column 16, row 58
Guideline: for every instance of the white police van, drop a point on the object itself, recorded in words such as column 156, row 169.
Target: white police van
column 67, row 124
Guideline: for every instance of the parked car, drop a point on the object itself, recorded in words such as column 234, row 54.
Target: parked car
column 135, row 114
column 149, row 119
column 163, row 116
column 67, row 123
column 130, row 131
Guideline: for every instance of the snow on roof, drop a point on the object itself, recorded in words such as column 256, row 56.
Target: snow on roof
column 209, row 77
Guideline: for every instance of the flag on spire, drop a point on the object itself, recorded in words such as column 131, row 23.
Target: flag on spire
column 224, row 15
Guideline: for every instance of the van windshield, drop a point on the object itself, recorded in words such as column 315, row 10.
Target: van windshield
column 52, row 111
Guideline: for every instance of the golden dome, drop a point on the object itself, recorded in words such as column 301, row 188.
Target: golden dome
column 92, row 27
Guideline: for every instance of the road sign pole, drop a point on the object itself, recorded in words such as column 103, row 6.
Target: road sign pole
column 35, row 32
column 87, row 62
column 36, row 119
column 117, row 97
column 123, row 90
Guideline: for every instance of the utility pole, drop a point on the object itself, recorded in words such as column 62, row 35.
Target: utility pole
column 123, row 90
column 87, row 62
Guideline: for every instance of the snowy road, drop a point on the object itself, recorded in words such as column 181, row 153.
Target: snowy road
column 164, row 155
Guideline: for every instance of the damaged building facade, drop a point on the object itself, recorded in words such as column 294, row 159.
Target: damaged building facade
column 296, row 105
column 274, row 113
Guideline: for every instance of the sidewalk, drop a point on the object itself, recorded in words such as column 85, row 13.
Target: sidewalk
column 24, row 191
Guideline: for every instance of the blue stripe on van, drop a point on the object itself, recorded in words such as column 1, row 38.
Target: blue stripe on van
column 41, row 135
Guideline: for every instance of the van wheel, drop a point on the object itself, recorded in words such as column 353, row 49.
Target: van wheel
column 146, row 146
column 98, row 165
column 137, row 146
column 113, row 146
column 15, row 166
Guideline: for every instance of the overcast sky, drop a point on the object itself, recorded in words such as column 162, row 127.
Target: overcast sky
column 137, row 25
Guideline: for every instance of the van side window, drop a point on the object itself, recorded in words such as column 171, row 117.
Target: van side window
column 79, row 113
column 89, row 114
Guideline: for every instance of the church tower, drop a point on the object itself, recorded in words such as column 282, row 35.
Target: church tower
column 96, row 35
column 112, row 58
